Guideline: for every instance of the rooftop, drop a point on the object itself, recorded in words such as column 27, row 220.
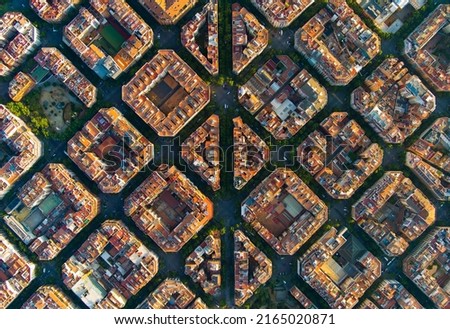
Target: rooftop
column 284, row 211
column 337, row 43
column 252, row 268
column 110, row 150
column 429, row 158
column 20, row 85
column 250, row 153
column 168, row 12
column 169, row 208
column 394, row 212
column 23, row 147
column 51, row 59
column 304, row 301
column 18, row 39
column 204, row 264
column 16, row 271
column 249, row 38
column 110, row 266
column 172, row 294
column 283, row 97
column 393, row 101
column 426, row 48
column 54, row 207
column 52, row 11
column 339, row 155
column 389, row 16
column 428, row 266
column 109, row 37
column 201, row 151
column 390, row 294
column 166, row 93
column 281, row 13
column 204, row 47
column 48, row 297
column 339, row 268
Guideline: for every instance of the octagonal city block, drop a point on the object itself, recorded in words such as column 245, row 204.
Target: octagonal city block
column 284, row 211
column 111, row 266
column 50, row 210
column 109, row 37
column 393, row 102
column 282, row 97
column 166, row 93
column 339, row 268
column 337, row 43
column 110, row 150
column 169, row 208
column 394, row 212
column 339, row 155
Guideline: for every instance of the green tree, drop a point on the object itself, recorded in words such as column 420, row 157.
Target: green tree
column 38, row 123
column 18, row 109
column 41, row 124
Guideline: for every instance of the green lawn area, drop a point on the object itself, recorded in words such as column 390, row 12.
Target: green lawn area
column 39, row 73
column 112, row 37
column 50, row 203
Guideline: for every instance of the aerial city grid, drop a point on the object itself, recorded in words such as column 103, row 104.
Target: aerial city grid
column 216, row 154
